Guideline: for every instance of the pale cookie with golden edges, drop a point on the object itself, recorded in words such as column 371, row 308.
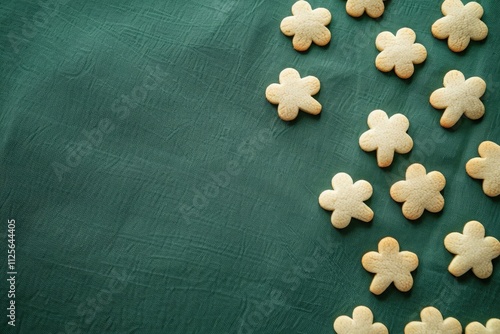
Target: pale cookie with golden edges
column 420, row 191
column 399, row 52
column 307, row 26
column 346, row 200
column 361, row 322
column 460, row 24
column 433, row 322
column 356, row 8
column 459, row 97
column 294, row 93
column 473, row 250
column 487, row 167
column 492, row 327
column 386, row 135
column 390, row 266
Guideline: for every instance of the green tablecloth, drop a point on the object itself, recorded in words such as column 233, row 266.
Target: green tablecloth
column 155, row 190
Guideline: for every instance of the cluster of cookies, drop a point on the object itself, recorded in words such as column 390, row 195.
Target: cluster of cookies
column 421, row 190
column 431, row 322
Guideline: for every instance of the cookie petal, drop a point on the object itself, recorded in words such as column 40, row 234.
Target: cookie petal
column 310, row 105
column 475, row 109
column 384, row 62
column 340, row 219
column 451, row 6
column 311, row 85
column 441, row 28
column 404, row 70
column 407, row 35
column 288, row 26
column 453, row 242
column 384, row 40
column 412, row 210
column 273, row 93
column 322, row 36
column 483, row 269
column 451, row 116
column 453, row 78
column 458, row 42
column 436, row 205
column 327, row 200
column 479, row 31
column 322, row 16
column 375, row 9
column 404, row 282
column 474, row 9
column 475, row 86
column 354, row 8
column 363, row 190
column 342, row 180
column 367, row 141
column 301, row 7
column 419, row 53
column 399, row 192
column 287, row 112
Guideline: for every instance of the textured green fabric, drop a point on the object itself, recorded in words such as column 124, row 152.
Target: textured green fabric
column 155, row 190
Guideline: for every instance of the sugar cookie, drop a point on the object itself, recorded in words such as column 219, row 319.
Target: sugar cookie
column 433, row 322
column 346, row 200
column 356, row 8
column 419, row 192
column 492, row 327
column 473, row 250
column 294, row 93
column 460, row 24
column 399, row 52
column 487, row 167
column 361, row 322
column 390, row 265
column 386, row 135
column 459, row 97
column 307, row 26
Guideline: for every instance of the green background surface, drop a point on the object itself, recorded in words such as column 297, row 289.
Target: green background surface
column 146, row 232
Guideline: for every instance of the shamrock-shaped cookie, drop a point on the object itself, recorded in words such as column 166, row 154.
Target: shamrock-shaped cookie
column 356, row 8
column 346, row 200
column 387, row 135
column 399, row 52
column 472, row 250
column 487, row 167
column 459, row 97
column 492, row 327
column 433, row 322
column 294, row 93
column 361, row 322
column 460, row 24
column 390, row 265
column 420, row 191
column 307, row 26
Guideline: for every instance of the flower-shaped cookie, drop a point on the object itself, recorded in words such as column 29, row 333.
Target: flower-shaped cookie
column 399, row 52
column 346, row 200
column 294, row 93
column 390, row 265
column 307, row 26
column 361, row 322
column 419, row 192
column 487, row 167
column 459, row 97
column 433, row 322
column 472, row 250
column 460, row 24
column 356, row 8
column 492, row 327
column 386, row 136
